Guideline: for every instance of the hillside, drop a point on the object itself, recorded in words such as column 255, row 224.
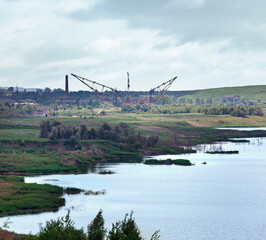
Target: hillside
column 251, row 93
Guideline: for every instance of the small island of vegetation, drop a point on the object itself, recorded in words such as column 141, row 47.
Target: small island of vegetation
column 223, row 152
column 182, row 162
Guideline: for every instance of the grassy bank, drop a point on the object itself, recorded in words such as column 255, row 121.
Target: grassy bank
column 17, row 197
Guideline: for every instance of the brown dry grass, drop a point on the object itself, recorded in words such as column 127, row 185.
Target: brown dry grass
column 6, row 235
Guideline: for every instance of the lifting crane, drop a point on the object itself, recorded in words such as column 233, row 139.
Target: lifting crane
column 116, row 98
column 162, row 91
column 113, row 99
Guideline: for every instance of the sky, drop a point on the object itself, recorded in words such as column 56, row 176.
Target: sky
column 205, row 43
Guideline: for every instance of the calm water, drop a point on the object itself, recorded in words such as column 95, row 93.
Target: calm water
column 225, row 199
column 245, row 129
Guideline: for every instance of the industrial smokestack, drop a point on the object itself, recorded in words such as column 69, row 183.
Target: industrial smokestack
column 66, row 86
column 128, row 83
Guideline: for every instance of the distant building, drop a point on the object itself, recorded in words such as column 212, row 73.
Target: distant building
column 233, row 99
column 129, row 103
column 144, row 101
column 41, row 111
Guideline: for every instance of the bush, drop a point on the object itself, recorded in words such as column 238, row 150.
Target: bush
column 126, row 229
column 62, row 228
column 96, row 230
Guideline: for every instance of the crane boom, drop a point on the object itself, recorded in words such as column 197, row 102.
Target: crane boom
column 94, row 82
column 165, row 85
column 115, row 92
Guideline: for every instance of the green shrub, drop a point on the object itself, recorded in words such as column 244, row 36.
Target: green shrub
column 126, row 229
column 96, row 230
column 62, row 228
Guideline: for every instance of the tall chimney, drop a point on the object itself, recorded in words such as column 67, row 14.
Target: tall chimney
column 128, row 83
column 66, row 86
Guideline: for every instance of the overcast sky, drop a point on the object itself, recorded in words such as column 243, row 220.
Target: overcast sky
column 206, row 43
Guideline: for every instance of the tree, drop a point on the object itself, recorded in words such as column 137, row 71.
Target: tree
column 47, row 90
column 11, row 89
column 62, row 228
column 145, row 108
column 45, row 129
column 54, row 133
column 126, row 229
column 96, row 229
column 28, row 109
column 82, row 132
column 92, row 134
column 106, row 127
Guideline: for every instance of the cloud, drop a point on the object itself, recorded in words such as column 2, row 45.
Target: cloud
column 190, row 20
column 190, row 4
column 206, row 43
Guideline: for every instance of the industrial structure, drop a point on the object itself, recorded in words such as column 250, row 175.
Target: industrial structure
column 112, row 95
column 161, row 90
column 128, row 83
column 66, row 86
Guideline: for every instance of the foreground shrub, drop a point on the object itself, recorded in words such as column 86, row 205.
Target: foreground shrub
column 62, row 228
column 126, row 229
column 96, row 230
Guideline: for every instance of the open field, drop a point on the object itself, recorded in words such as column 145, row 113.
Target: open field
column 165, row 125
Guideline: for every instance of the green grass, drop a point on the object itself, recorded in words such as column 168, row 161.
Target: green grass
column 246, row 92
column 17, row 197
column 31, row 159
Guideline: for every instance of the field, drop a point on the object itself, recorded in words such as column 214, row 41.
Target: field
column 251, row 93
column 17, row 197
column 23, row 152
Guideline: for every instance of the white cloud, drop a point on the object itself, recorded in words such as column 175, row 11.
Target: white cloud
column 40, row 43
column 70, row 5
column 190, row 4
column 106, row 45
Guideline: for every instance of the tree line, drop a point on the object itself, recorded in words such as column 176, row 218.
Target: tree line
column 16, row 109
column 237, row 111
column 63, row 228
column 117, row 133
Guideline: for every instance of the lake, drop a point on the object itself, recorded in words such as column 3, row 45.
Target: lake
column 224, row 199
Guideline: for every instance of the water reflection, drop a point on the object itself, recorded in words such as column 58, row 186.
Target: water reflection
column 222, row 146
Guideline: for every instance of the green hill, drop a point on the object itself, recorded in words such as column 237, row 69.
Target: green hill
column 251, row 93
